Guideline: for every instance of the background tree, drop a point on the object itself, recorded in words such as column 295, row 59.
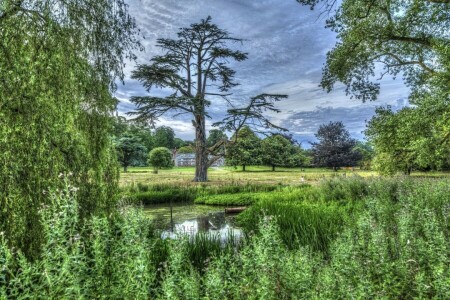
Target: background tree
column 133, row 140
column 164, row 137
column 277, row 151
column 195, row 68
column 215, row 136
column 181, row 143
column 245, row 150
column 130, row 151
column 299, row 157
column 408, row 38
column 160, row 157
column 143, row 132
column 335, row 147
column 186, row 149
column 367, row 154
column 403, row 141
column 59, row 61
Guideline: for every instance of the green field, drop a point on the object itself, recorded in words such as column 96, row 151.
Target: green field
column 254, row 174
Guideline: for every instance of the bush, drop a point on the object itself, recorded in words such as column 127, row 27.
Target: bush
column 160, row 157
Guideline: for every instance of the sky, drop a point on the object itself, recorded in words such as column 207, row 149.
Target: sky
column 286, row 45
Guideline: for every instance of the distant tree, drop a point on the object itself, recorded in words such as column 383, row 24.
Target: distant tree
column 215, row 136
column 367, row 154
column 143, row 132
column 181, row 143
column 298, row 157
column 120, row 126
column 245, row 150
column 130, row 150
column 290, row 138
column 309, row 157
column 127, row 135
column 195, row 68
column 335, row 147
column 186, row 149
column 164, row 137
column 391, row 140
column 277, row 151
column 160, row 157
column 396, row 37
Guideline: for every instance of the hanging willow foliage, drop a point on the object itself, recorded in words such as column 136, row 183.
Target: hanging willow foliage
column 58, row 64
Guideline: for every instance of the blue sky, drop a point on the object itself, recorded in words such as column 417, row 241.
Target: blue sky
column 286, row 44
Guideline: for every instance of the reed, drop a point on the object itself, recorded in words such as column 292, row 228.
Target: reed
column 384, row 238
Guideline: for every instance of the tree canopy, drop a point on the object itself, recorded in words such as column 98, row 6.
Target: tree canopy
column 130, row 151
column 165, row 137
column 335, row 147
column 245, row 150
column 160, row 157
column 277, row 151
column 195, row 68
column 407, row 38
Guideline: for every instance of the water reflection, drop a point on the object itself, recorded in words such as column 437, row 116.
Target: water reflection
column 192, row 219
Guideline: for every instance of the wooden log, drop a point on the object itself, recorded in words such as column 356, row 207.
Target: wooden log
column 235, row 210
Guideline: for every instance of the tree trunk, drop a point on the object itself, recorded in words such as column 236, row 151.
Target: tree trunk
column 273, row 168
column 125, row 168
column 408, row 170
column 243, row 168
column 201, row 155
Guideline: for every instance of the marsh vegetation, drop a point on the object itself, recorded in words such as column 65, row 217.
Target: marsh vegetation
column 352, row 237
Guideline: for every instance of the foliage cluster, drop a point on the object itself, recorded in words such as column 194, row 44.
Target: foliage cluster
column 335, row 148
column 396, row 38
column 160, row 157
column 59, row 63
column 134, row 140
column 246, row 149
column 396, row 247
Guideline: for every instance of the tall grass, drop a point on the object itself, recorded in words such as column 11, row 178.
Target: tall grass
column 395, row 247
column 300, row 224
column 166, row 193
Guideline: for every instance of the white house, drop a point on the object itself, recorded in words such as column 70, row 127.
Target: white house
column 188, row 160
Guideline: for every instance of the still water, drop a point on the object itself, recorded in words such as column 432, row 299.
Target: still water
column 191, row 219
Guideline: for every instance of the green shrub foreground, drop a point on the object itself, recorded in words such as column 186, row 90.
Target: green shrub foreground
column 390, row 243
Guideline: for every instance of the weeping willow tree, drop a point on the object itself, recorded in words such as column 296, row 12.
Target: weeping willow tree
column 58, row 64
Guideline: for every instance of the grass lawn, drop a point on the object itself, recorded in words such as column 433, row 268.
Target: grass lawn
column 254, row 174
column 230, row 175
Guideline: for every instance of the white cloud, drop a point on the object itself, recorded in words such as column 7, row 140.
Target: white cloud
column 287, row 45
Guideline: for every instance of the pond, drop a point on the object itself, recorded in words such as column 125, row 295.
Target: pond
column 193, row 218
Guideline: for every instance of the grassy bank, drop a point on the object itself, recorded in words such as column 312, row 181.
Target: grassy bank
column 352, row 238
column 231, row 194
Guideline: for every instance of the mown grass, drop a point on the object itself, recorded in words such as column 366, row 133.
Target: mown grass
column 254, row 175
column 228, row 175
column 354, row 239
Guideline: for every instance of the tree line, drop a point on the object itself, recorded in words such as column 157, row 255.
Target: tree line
column 137, row 144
